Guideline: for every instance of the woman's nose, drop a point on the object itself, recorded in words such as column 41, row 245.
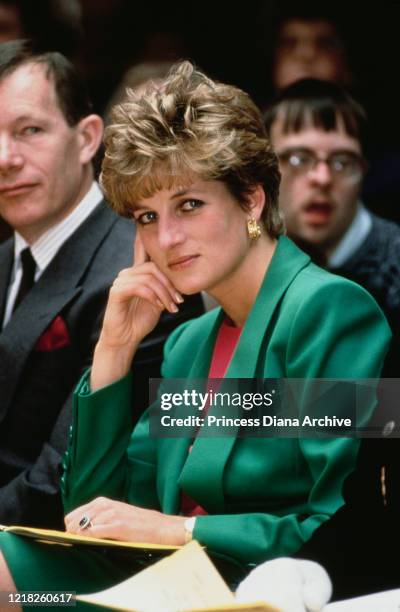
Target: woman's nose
column 170, row 233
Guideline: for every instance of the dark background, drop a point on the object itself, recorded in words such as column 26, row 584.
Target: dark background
column 233, row 42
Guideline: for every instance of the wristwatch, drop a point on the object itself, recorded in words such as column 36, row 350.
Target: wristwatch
column 189, row 526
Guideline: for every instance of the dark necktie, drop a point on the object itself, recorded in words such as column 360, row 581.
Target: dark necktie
column 28, row 276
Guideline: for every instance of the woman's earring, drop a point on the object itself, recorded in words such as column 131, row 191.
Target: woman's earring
column 253, row 229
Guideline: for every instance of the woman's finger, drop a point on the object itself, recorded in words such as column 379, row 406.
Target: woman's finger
column 129, row 286
column 144, row 285
column 139, row 254
column 89, row 510
column 151, row 268
column 77, row 514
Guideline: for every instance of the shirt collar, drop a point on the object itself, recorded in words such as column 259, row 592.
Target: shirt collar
column 46, row 247
column 353, row 238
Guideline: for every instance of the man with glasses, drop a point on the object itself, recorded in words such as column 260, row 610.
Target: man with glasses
column 318, row 132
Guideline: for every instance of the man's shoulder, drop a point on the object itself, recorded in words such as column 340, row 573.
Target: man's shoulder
column 380, row 247
column 121, row 225
column 103, row 216
column 376, row 264
column 103, row 243
column 6, row 247
column 384, row 231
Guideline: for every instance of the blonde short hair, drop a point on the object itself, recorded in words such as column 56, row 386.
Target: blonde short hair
column 189, row 125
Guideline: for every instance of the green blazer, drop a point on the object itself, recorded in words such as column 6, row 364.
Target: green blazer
column 264, row 496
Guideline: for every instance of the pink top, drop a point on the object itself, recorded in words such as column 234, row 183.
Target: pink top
column 225, row 345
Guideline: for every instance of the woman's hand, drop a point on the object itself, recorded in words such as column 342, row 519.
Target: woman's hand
column 138, row 296
column 120, row 521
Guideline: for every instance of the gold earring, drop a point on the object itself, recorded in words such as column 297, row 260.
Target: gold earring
column 253, row 229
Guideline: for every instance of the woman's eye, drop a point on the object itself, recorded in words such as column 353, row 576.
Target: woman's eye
column 191, row 205
column 146, row 218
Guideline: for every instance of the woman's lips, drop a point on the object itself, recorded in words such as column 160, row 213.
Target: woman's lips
column 318, row 213
column 182, row 262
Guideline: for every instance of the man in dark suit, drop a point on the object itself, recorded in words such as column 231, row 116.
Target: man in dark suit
column 55, row 273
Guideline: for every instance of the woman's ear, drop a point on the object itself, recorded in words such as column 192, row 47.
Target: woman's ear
column 90, row 130
column 256, row 201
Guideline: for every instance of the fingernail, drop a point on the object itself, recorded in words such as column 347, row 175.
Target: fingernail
column 178, row 298
column 174, row 307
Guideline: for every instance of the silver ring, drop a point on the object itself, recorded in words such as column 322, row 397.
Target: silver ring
column 85, row 522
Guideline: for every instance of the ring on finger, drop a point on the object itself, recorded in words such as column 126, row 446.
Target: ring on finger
column 85, row 522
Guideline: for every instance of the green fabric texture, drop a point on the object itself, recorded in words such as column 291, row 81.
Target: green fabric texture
column 49, row 567
column 264, row 496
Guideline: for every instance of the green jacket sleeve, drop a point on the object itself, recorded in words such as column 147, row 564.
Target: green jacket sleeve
column 98, row 460
column 96, row 457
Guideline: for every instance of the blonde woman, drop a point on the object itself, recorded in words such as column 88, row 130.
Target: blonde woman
column 189, row 161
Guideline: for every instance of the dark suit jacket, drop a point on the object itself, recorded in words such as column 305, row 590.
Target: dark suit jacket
column 36, row 382
column 376, row 267
column 359, row 545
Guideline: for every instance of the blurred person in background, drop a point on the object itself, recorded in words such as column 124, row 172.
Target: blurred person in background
column 306, row 39
column 309, row 43
column 319, row 133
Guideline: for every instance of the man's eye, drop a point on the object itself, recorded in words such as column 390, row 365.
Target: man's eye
column 344, row 163
column 299, row 160
column 191, row 205
column 31, row 129
column 340, row 164
column 146, row 218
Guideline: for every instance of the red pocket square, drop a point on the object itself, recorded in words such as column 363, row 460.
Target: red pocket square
column 54, row 337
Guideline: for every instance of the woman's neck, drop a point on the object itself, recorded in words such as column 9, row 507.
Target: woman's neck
column 237, row 294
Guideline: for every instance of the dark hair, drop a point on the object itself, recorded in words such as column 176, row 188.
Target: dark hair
column 322, row 104
column 71, row 91
column 52, row 24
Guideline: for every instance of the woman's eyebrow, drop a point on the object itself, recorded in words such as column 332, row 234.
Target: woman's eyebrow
column 185, row 191
column 135, row 206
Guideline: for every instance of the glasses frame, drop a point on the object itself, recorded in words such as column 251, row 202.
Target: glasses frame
column 360, row 165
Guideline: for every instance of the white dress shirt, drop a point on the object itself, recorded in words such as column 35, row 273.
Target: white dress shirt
column 352, row 239
column 47, row 246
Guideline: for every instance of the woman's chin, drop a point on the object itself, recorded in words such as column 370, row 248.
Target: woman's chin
column 187, row 289
column 189, row 286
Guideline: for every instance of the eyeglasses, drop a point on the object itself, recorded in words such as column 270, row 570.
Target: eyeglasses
column 343, row 165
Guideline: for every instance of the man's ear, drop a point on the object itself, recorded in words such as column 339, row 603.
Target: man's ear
column 90, row 132
column 256, row 201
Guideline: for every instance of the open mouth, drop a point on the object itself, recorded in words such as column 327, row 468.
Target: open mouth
column 318, row 213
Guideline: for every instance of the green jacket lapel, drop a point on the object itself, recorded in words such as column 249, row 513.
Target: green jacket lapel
column 177, row 450
column 286, row 263
column 202, row 474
